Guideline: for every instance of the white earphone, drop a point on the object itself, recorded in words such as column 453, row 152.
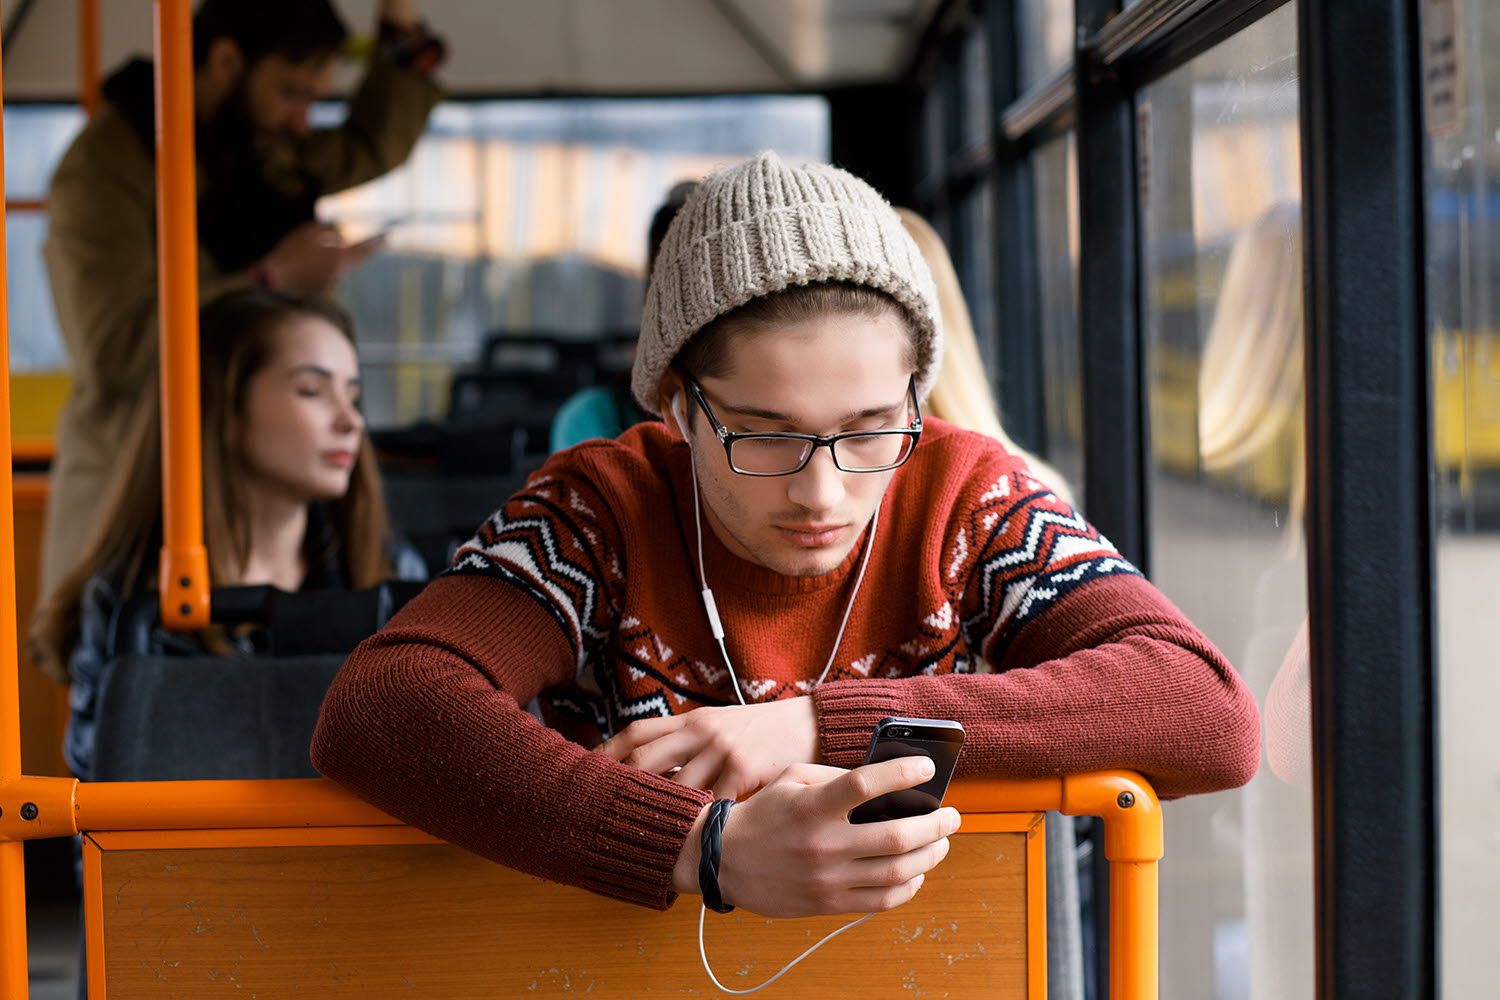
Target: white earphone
column 678, row 412
column 717, row 626
column 710, row 607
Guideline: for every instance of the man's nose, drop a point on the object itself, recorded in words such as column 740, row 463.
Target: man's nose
column 819, row 485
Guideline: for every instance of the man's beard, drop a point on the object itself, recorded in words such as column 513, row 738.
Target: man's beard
column 231, row 130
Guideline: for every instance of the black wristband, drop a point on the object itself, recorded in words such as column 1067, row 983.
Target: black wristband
column 708, row 861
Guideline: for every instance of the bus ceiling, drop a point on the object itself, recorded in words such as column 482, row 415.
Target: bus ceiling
column 586, row 47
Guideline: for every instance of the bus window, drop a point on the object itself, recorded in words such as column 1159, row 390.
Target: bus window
column 1463, row 290
column 1054, row 167
column 35, row 138
column 1222, row 333
column 1045, row 28
column 531, row 216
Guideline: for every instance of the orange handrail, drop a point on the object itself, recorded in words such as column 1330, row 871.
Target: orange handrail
column 88, row 55
column 12, row 859
column 1123, row 800
column 183, row 579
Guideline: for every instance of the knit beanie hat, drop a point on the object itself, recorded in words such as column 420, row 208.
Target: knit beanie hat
column 761, row 226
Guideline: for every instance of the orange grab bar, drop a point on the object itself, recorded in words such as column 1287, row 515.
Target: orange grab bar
column 1125, row 801
column 88, row 55
column 183, row 579
column 12, row 861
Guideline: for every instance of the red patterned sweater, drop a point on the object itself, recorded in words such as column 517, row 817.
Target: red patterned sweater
column 987, row 600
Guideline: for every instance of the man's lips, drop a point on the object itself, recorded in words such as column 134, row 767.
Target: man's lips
column 812, row 536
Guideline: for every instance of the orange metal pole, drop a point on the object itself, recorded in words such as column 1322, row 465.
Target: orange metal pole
column 1132, row 930
column 184, row 560
column 88, row 55
column 1133, row 844
column 12, row 857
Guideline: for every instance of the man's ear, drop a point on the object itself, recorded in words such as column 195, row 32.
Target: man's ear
column 672, row 402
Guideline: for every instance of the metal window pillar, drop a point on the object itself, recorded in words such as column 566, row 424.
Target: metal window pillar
column 1369, row 521
column 1114, row 426
column 1020, row 378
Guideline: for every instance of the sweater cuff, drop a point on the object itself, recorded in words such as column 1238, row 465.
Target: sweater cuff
column 847, row 714
column 641, row 837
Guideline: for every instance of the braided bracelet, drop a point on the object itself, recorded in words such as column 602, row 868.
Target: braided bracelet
column 708, row 861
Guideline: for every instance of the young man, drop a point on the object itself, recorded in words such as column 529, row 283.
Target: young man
column 863, row 563
column 258, row 68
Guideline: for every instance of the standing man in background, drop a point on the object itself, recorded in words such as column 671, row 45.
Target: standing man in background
column 258, row 69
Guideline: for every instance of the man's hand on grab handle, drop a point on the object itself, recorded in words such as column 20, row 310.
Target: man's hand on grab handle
column 313, row 258
column 790, row 850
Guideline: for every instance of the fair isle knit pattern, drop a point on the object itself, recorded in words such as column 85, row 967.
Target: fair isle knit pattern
column 987, row 601
column 764, row 225
column 1014, row 549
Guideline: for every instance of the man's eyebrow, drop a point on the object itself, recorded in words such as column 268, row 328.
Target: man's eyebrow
column 782, row 418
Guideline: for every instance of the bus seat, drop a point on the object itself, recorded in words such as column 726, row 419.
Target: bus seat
column 503, row 398
column 167, row 717
column 178, row 718
column 359, row 912
column 437, row 512
column 540, row 353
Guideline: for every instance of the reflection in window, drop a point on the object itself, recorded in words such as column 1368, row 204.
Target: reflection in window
column 1045, row 33
column 531, row 215
column 1463, row 290
column 1054, row 167
column 1223, row 333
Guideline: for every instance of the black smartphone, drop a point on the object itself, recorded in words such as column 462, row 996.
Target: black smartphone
column 896, row 737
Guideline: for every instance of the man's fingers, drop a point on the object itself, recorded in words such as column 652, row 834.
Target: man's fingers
column 876, row 900
column 672, row 750
column 702, row 771
column 811, row 774
column 898, row 869
column 640, row 733
column 865, row 783
column 899, row 836
column 357, row 253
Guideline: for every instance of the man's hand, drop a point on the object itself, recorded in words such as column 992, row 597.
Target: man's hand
column 400, row 12
column 731, row 751
column 790, row 850
column 311, row 259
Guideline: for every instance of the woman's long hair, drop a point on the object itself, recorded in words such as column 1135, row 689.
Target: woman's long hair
column 962, row 394
column 237, row 340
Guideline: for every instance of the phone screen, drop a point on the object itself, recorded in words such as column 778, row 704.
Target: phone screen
column 914, row 740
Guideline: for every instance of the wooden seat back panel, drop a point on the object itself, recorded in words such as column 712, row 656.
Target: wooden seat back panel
column 378, row 920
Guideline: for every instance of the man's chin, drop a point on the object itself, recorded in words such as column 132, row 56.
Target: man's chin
column 789, row 561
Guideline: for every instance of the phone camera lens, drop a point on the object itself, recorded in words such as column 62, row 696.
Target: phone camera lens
column 900, row 731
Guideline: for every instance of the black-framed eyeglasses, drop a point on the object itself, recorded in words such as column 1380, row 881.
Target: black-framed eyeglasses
column 776, row 453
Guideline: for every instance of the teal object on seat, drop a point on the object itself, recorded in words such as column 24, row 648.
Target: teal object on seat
column 588, row 413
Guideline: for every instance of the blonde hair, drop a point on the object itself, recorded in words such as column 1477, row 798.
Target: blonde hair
column 962, row 394
column 1250, row 379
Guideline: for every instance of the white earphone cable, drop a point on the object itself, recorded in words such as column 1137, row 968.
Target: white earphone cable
column 703, row 912
column 717, row 626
